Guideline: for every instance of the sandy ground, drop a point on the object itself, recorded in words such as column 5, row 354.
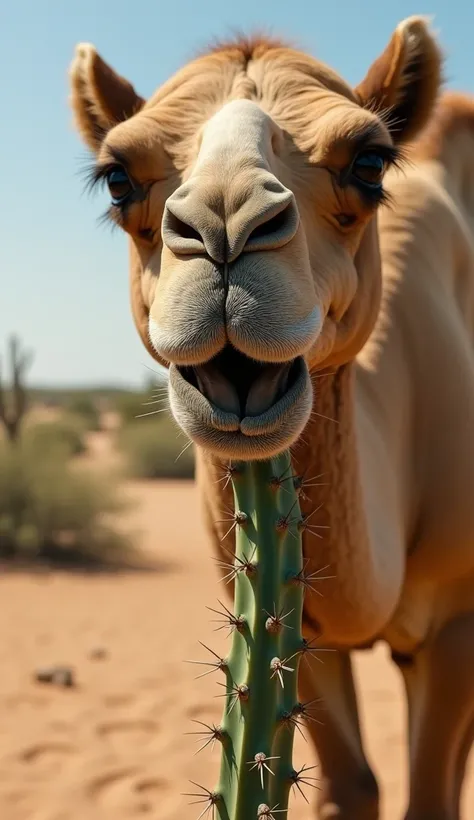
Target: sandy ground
column 114, row 747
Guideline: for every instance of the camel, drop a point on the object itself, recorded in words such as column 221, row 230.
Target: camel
column 302, row 261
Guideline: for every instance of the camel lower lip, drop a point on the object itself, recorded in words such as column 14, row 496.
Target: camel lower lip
column 227, row 433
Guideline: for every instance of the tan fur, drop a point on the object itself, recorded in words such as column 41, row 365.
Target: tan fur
column 381, row 313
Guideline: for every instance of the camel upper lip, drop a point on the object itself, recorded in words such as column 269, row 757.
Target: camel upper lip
column 236, row 392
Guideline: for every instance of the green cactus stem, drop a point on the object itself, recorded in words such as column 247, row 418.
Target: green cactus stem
column 261, row 705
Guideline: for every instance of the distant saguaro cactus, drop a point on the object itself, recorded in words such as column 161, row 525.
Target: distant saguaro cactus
column 13, row 399
column 262, row 709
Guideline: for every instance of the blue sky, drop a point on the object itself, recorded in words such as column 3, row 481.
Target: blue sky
column 64, row 278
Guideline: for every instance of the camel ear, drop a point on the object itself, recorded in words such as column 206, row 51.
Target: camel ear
column 100, row 98
column 405, row 80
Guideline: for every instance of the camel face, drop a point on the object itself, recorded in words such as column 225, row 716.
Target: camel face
column 254, row 276
column 249, row 185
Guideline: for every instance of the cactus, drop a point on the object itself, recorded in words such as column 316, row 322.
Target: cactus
column 261, row 710
column 13, row 405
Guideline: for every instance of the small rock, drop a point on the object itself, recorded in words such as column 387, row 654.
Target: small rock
column 63, row 676
column 44, row 675
column 58, row 675
column 98, row 653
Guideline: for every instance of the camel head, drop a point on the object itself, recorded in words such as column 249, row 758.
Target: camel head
column 248, row 185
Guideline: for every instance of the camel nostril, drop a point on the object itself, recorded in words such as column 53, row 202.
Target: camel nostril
column 276, row 230
column 189, row 227
column 179, row 236
column 182, row 229
column 273, row 226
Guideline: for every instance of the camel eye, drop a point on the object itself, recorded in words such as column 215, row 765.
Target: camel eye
column 119, row 185
column 368, row 168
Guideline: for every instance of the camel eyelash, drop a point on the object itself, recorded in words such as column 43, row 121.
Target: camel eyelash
column 390, row 153
column 372, row 195
column 110, row 219
column 95, row 175
column 95, row 178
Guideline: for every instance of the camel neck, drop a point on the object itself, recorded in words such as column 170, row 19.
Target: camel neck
column 327, row 456
column 328, row 446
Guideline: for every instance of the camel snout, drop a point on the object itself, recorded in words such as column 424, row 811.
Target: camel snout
column 215, row 220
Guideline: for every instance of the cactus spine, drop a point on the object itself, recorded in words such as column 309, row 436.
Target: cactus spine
column 261, row 707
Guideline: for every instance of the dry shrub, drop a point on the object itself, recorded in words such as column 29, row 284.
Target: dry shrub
column 51, row 511
column 84, row 408
column 154, row 448
column 46, row 437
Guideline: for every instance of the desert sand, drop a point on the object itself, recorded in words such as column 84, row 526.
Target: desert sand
column 114, row 747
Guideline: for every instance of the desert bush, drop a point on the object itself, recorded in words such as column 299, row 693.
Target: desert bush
column 49, row 510
column 84, row 408
column 152, row 446
column 46, row 437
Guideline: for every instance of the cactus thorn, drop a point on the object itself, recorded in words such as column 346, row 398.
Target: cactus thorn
column 297, row 483
column 301, row 479
column 238, row 564
column 307, row 649
column 300, row 483
column 304, row 710
column 239, row 519
column 284, row 522
column 291, row 720
column 229, row 620
column 231, row 470
column 295, row 479
column 204, row 796
column 274, row 623
column 239, row 692
column 260, row 763
column 313, row 512
column 276, row 481
column 299, row 777
column 303, row 524
column 299, row 712
column 232, row 515
column 264, row 812
column 278, row 666
column 308, row 579
column 219, row 663
column 210, row 735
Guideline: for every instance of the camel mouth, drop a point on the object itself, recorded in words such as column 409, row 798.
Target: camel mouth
column 235, row 383
column 240, row 407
